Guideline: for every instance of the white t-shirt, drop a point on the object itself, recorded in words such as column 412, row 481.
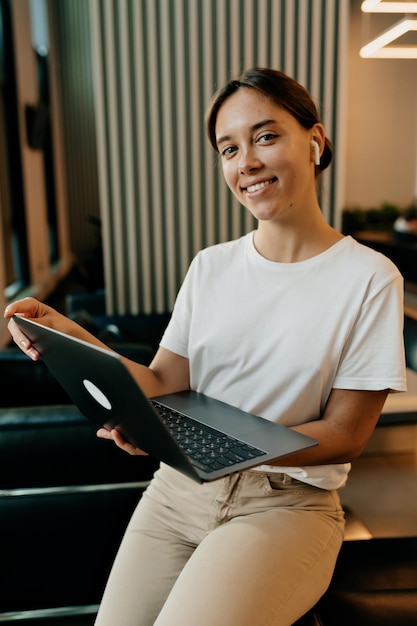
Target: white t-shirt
column 274, row 338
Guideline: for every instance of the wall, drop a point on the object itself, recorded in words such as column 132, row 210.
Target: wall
column 381, row 133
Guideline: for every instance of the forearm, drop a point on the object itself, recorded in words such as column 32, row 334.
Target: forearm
column 167, row 373
column 151, row 381
column 332, row 448
column 160, row 378
column 343, row 431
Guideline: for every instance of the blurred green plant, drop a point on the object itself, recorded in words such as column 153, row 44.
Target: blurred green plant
column 357, row 219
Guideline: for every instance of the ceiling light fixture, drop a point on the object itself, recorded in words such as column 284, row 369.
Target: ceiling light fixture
column 378, row 6
column 378, row 48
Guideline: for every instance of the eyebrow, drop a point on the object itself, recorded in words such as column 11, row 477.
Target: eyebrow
column 253, row 128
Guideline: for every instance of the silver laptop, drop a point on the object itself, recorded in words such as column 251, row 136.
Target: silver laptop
column 199, row 436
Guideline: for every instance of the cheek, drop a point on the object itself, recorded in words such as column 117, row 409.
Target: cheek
column 229, row 175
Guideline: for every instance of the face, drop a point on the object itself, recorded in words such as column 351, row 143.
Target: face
column 266, row 156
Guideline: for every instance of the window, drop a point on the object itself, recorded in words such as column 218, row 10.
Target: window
column 34, row 249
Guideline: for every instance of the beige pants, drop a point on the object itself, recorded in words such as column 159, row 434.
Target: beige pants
column 252, row 549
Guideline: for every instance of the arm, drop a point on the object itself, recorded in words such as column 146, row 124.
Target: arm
column 46, row 315
column 167, row 373
column 343, row 431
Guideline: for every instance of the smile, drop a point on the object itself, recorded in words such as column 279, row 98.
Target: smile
column 259, row 186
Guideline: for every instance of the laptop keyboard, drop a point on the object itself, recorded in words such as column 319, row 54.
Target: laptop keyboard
column 208, row 448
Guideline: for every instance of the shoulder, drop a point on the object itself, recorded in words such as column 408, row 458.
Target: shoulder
column 214, row 261
column 222, row 252
column 364, row 260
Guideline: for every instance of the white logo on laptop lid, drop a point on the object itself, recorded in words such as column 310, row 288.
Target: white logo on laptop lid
column 97, row 394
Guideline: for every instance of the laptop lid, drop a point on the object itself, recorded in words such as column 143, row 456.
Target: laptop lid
column 102, row 387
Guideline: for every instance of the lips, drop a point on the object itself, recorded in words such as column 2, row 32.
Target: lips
column 258, row 186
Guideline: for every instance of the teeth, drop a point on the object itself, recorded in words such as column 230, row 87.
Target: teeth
column 258, row 186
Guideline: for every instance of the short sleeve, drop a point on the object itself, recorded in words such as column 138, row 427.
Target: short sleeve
column 373, row 357
column 176, row 335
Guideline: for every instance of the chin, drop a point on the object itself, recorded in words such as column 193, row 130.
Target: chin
column 264, row 215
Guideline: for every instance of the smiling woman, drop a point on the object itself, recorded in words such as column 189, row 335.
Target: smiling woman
column 284, row 322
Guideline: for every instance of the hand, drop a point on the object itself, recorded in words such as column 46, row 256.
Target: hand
column 120, row 441
column 33, row 309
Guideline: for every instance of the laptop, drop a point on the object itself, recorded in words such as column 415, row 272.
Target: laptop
column 204, row 438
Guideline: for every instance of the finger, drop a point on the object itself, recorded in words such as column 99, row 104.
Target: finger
column 22, row 341
column 103, row 433
column 27, row 307
column 121, row 442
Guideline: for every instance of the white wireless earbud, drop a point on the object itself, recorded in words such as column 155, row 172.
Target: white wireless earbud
column 316, row 151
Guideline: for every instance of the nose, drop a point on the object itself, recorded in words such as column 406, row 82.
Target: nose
column 248, row 161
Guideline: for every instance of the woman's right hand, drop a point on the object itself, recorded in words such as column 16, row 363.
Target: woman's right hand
column 42, row 313
column 120, row 441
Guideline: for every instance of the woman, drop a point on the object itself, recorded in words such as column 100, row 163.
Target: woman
column 293, row 322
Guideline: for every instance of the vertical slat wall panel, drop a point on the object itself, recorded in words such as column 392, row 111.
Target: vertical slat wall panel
column 156, row 64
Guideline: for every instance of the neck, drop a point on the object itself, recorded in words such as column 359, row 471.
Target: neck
column 287, row 243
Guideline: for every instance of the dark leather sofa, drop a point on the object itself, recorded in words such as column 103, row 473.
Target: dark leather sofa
column 66, row 497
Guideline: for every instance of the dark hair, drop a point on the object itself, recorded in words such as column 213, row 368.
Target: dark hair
column 283, row 90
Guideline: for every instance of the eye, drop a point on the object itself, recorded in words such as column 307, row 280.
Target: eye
column 228, row 152
column 266, row 137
